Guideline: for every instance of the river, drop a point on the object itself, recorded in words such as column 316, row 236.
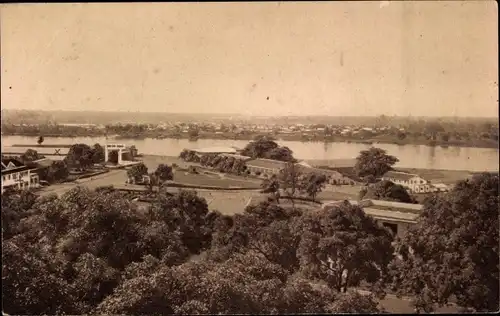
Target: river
column 410, row 156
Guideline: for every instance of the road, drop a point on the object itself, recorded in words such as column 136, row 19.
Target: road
column 109, row 178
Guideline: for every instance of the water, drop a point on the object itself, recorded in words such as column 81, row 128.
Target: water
column 410, row 156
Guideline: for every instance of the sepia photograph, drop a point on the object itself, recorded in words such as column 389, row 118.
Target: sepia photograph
column 222, row 158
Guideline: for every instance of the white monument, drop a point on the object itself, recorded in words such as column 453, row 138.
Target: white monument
column 121, row 148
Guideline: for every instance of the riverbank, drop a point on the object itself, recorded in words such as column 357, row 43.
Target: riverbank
column 379, row 139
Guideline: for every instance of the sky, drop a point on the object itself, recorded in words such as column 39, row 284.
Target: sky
column 426, row 58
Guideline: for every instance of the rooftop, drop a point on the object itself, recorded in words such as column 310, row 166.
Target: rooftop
column 266, row 163
column 389, row 210
column 219, row 150
column 14, row 163
column 235, row 156
column 399, row 175
column 43, row 163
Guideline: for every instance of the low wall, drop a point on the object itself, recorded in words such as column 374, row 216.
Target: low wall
column 88, row 175
column 298, row 198
column 189, row 186
column 192, row 186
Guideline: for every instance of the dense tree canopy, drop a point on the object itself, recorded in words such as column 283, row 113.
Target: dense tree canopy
column 344, row 246
column 452, row 253
column 97, row 252
column 137, row 172
column 264, row 147
column 164, row 172
column 31, row 155
column 374, row 162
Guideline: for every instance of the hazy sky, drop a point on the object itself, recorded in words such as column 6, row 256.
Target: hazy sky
column 327, row 58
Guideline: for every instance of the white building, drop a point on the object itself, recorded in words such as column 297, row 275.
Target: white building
column 413, row 182
column 18, row 176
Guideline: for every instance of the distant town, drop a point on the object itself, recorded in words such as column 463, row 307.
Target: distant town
column 464, row 133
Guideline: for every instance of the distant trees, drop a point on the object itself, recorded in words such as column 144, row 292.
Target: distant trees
column 193, row 132
column 445, row 137
column 433, row 128
column 452, row 252
column 374, row 162
column 388, row 191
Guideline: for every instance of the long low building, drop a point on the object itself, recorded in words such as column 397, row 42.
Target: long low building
column 268, row 167
column 413, row 182
column 396, row 216
column 215, row 150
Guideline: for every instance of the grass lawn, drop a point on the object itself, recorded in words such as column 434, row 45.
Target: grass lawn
column 212, row 180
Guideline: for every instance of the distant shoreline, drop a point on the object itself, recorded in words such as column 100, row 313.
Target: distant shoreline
column 281, row 137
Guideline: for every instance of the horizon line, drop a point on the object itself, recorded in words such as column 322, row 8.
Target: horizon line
column 247, row 115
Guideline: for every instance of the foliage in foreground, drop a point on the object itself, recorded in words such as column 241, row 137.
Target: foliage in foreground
column 95, row 252
column 452, row 253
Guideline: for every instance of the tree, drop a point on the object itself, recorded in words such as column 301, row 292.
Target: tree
column 388, row 191
column 401, row 135
column 164, row 172
column 98, row 154
column 186, row 213
column 265, row 147
column 452, row 252
column 193, row 132
column 271, row 185
column 58, row 171
column 79, row 156
column 344, row 246
column 445, row 137
column 290, row 180
column 153, row 181
column 355, row 303
column 137, row 172
column 280, row 153
column 38, row 289
column 31, row 155
column 375, row 162
column 40, row 140
column 259, row 147
column 313, row 184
